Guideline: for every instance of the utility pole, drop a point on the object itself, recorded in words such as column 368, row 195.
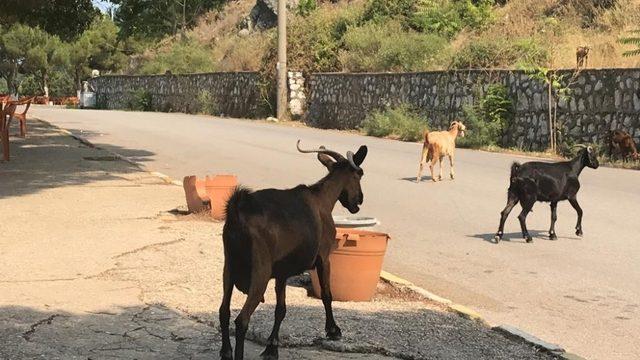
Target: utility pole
column 282, row 60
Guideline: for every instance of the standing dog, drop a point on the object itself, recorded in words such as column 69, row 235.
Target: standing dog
column 439, row 144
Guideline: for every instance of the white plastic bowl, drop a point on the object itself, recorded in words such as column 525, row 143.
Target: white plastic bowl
column 355, row 221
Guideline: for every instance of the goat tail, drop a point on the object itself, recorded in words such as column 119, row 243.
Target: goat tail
column 515, row 167
column 425, row 147
column 232, row 210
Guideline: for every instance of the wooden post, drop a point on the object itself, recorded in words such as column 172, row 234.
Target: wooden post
column 282, row 61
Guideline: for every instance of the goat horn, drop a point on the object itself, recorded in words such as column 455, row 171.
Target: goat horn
column 582, row 146
column 322, row 150
column 351, row 162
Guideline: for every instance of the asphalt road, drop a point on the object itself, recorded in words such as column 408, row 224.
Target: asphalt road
column 583, row 293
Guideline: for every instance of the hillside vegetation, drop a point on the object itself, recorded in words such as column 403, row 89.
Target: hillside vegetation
column 404, row 35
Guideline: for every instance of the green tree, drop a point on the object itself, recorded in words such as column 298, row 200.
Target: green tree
column 65, row 18
column 14, row 43
column 45, row 55
column 156, row 18
column 27, row 50
column 97, row 48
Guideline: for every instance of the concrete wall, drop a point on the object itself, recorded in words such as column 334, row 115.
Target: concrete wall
column 234, row 94
column 601, row 100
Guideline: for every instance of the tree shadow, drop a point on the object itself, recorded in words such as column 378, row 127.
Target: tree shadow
column 137, row 155
column 47, row 158
column 158, row 332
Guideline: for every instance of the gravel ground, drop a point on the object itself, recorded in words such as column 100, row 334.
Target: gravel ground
column 93, row 265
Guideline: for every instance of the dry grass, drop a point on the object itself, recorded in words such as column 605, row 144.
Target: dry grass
column 236, row 53
column 218, row 23
column 561, row 28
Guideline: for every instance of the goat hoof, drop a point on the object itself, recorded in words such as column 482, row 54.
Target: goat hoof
column 529, row 239
column 553, row 237
column 497, row 238
column 226, row 354
column 334, row 334
column 270, row 353
column 579, row 232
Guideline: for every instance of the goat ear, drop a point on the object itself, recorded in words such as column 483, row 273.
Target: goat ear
column 326, row 160
column 359, row 156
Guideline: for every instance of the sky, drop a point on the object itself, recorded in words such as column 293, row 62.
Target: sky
column 102, row 5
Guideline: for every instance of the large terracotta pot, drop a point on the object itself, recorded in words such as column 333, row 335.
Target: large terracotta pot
column 355, row 265
column 195, row 193
column 219, row 189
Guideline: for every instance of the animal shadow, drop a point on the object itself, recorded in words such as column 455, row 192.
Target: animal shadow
column 512, row 236
column 425, row 178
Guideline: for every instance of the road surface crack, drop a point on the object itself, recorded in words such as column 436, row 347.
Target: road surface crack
column 37, row 280
column 147, row 247
column 27, row 334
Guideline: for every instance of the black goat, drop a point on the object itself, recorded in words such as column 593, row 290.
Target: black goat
column 549, row 182
column 281, row 233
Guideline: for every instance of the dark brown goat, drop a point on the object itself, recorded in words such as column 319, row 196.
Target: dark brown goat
column 623, row 143
column 582, row 55
column 281, row 233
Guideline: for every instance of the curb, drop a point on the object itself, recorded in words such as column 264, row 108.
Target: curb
column 167, row 179
column 467, row 313
column 390, row 278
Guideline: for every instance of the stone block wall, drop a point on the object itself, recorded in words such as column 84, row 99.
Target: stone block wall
column 601, row 100
column 297, row 95
column 234, row 94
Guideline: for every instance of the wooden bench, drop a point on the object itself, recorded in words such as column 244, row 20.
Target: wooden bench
column 7, row 111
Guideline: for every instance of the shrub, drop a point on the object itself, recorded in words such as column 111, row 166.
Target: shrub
column 447, row 18
column 489, row 119
column 382, row 10
column 237, row 53
column 444, row 21
column 400, row 122
column 305, row 7
column 315, row 40
column 495, row 53
column 140, row 100
column 386, row 47
column 183, row 57
column 207, row 103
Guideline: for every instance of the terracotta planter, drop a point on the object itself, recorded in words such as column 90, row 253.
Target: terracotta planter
column 196, row 194
column 219, row 188
column 355, row 265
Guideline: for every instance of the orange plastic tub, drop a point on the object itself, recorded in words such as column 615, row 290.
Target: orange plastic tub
column 355, row 265
column 219, row 189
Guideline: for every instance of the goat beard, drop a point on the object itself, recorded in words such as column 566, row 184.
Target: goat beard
column 462, row 133
column 354, row 209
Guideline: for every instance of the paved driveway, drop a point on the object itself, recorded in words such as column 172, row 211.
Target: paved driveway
column 583, row 293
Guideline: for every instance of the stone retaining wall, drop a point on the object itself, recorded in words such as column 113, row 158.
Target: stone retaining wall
column 234, row 94
column 601, row 100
